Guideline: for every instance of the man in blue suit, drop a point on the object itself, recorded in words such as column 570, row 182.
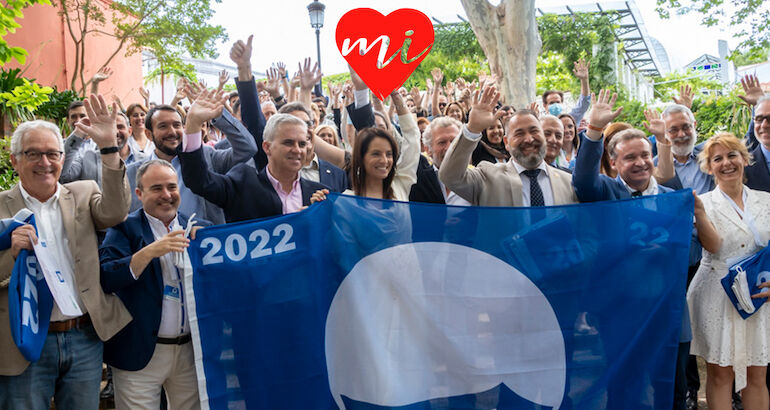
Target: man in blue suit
column 243, row 193
column 631, row 155
column 758, row 173
column 140, row 263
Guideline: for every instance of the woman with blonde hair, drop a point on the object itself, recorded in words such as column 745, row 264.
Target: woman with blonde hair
column 732, row 222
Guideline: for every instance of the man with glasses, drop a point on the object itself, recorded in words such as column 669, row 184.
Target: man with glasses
column 67, row 216
column 758, row 173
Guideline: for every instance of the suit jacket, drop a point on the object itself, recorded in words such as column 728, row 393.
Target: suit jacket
column 592, row 186
column 331, row 176
column 427, row 188
column 84, row 209
column 132, row 348
column 253, row 118
column 242, row 193
column 83, row 164
column 494, row 184
column 757, row 174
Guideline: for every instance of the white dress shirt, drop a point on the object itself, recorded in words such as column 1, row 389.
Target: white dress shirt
column 451, row 198
column 174, row 320
column 311, row 172
column 544, row 179
column 652, row 187
column 50, row 228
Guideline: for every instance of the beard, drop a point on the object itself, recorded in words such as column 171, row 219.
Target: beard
column 529, row 161
column 685, row 150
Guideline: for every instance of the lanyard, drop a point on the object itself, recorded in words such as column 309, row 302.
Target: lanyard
column 746, row 216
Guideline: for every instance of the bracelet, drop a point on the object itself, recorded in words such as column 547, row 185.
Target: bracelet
column 591, row 127
column 109, row 150
column 279, row 98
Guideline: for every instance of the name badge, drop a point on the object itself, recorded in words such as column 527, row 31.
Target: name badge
column 171, row 293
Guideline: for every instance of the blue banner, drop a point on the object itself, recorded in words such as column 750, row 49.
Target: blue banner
column 366, row 304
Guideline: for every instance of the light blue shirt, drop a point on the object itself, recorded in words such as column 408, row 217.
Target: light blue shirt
column 766, row 153
column 691, row 175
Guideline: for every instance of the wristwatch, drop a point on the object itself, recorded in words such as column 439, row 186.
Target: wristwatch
column 109, row 150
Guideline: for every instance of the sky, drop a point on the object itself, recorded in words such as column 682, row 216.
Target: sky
column 282, row 29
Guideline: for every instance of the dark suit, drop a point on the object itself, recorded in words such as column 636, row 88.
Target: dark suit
column 427, row 188
column 334, row 178
column 242, row 193
column 589, row 184
column 132, row 348
column 252, row 117
column 757, row 174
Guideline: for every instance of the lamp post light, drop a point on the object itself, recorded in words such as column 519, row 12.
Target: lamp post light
column 316, row 11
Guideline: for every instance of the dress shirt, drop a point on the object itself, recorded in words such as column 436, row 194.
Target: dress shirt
column 50, row 228
column 544, row 179
column 652, row 187
column 291, row 201
column 312, row 171
column 139, row 153
column 88, row 145
column 691, row 175
column 450, row 198
column 173, row 318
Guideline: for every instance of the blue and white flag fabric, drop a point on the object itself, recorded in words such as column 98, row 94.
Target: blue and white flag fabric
column 29, row 300
column 743, row 279
column 367, row 304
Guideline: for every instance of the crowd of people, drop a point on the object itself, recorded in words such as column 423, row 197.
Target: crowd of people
column 115, row 196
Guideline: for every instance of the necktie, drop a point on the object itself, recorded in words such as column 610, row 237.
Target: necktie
column 535, row 193
column 636, row 193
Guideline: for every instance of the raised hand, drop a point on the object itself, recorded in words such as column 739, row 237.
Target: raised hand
column 334, row 94
column 581, row 69
column 450, row 90
column 685, row 96
column 294, row 80
column 308, row 77
column 460, row 84
column 145, row 93
column 207, row 106
column 428, row 84
column 273, row 82
column 602, row 113
column 102, row 128
column 655, row 125
column 535, row 108
column 347, row 92
column 752, row 89
column 281, row 69
column 416, row 97
column 240, row 52
column 101, row 75
column 223, row 77
column 483, row 104
column 437, row 75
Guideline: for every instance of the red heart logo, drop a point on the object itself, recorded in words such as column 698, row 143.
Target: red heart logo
column 384, row 50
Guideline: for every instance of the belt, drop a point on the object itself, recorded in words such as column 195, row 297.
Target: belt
column 175, row 340
column 66, row 325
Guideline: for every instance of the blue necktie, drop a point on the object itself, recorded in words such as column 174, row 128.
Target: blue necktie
column 535, row 193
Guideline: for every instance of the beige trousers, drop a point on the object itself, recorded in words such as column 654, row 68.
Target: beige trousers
column 171, row 366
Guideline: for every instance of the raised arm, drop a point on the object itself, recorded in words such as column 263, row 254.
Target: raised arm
column 664, row 170
column 101, row 75
column 406, row 170
column 251, row 111
column 437, row 78
column 752, row 93
column 308, row 78
column 454, row 171
column 581, row 71
column 707, row 233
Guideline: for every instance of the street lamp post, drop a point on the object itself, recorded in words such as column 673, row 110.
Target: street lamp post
column 316, row 11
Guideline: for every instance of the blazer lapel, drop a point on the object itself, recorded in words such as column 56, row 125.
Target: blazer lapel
column 68, row 214
column 724, row 207
column 517, row 196
column 276, row 201
column 14, row 201
column 433, row 184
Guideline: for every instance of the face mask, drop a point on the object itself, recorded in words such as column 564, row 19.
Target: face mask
column 555, row 109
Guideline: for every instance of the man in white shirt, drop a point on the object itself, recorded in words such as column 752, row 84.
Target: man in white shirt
column 67, row 216
column 526, row 180
column 141, row 261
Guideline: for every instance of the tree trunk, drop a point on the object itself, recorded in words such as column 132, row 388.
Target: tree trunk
column 508, row 35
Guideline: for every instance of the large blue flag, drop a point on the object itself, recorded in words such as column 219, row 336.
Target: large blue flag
column 367, row 304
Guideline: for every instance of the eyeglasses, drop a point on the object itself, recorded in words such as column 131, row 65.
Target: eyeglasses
column 310, row 124
column 35, row 156
column 759, row 119
column 675, row 131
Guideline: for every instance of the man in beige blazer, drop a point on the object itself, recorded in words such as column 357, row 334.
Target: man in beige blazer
column 525, row 180
column 67, row 216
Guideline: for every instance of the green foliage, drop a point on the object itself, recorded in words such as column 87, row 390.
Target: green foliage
column 55, row 109
column 633, row 112
column 585, row 35
column 750, row 17
column 12, row 10
column 668, row 86
column 8, row 176
column 171, row 70
column 335, row 79
column 457, row 41
column 20, row 103
column 748, row 57
column 552, row 73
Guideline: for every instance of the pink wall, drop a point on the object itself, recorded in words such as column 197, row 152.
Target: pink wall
column 51, row 59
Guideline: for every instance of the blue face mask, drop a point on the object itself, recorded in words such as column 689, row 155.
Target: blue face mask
column 555, row 109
